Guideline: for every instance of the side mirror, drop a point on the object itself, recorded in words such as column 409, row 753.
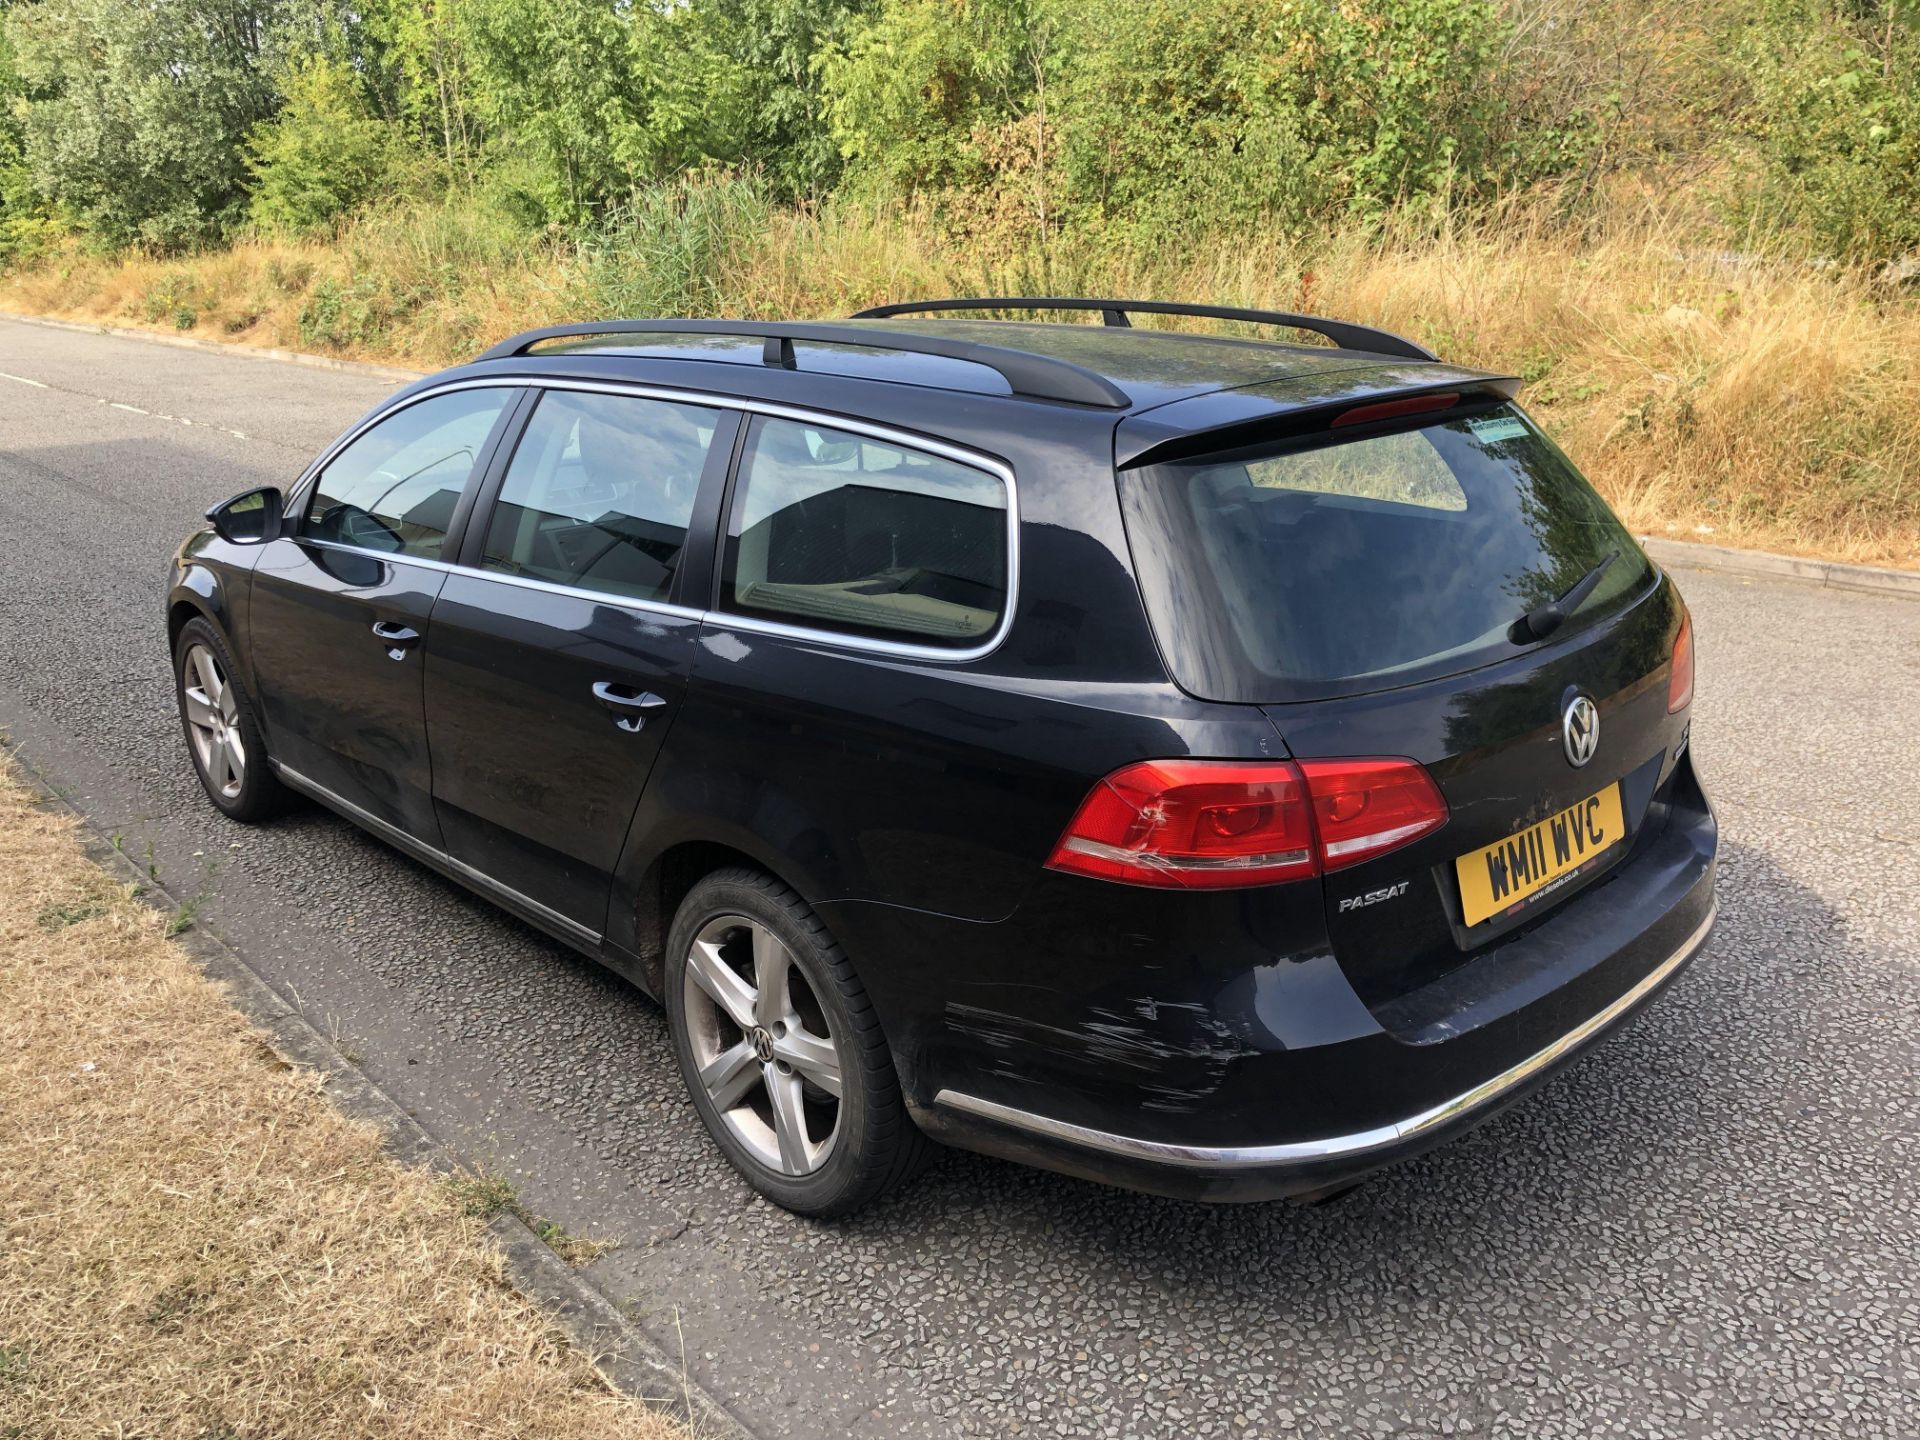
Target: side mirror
column 250, row 518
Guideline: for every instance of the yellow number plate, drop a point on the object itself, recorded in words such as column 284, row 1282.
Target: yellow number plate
column 1521, row 866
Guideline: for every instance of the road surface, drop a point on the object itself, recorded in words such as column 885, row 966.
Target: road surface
column 1710, row 1226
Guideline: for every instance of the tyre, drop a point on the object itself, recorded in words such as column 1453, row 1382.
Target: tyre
column 781, row 1050
column 222, row 735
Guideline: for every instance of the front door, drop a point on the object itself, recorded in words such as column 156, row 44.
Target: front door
column 342, row 606
column 558, row 654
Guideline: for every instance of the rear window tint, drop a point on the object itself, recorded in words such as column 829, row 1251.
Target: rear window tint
column 1404, row 469
column 838, row 531
column 1331, row 568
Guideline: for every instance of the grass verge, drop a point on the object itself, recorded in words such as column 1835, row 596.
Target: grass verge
column 1728, row 397
column 194, row 1243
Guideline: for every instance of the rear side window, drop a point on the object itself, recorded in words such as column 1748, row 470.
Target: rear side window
column 1333, row 568
column 837, row 531
column 394, row 488
column 600, row 492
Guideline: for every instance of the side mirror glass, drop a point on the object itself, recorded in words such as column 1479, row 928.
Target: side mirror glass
column 250, row 518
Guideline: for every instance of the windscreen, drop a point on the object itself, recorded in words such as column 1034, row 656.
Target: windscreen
column 1329, row 566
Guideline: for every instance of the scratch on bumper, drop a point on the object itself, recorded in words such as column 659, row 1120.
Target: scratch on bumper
column 1356, row 1145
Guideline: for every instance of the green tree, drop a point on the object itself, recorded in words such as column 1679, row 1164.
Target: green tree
column 424, row 46
column 142, row 107
column 557, row 76
column 910, row 89
column 1836, row 123
column 323, row 154
column 763, row 60
column 25, row 222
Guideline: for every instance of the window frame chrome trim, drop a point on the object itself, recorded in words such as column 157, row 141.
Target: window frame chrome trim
column 1358, row 1145
column 708, row 615
column 902, row 649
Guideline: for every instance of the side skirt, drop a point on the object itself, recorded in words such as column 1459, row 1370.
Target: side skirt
column 549, row 921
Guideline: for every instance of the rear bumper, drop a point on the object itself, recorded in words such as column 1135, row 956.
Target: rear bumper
column 1293, row 1167
column 1210, row 1046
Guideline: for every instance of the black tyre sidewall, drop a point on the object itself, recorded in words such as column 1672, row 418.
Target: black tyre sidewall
column 866, row 1157
column 261, row 794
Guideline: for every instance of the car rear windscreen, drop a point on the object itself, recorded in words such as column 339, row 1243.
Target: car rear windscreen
column 1326, row 566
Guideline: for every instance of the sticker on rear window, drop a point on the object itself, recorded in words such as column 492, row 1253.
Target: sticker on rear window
column 1497, row 427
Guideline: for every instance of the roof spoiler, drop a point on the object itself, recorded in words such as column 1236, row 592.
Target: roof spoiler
column 1230, row 419
column 1343, row 333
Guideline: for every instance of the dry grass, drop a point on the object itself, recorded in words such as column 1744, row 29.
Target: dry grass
column 1753, row 403
column 193, row 1243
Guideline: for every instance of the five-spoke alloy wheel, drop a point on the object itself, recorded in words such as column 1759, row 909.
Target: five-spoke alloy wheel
column 222, row 735
column 763, row 1044
column 213, row 723
column 781, row 1049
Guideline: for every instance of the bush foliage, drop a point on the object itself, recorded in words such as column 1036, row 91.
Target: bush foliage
column 326, row 152
column 1028, row 130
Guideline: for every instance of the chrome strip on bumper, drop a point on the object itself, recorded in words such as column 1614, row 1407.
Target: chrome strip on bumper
column 1333, row 1147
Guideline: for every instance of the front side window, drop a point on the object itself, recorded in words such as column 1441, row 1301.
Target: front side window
column 600, row 492
column 833, row 530
column 394, row 488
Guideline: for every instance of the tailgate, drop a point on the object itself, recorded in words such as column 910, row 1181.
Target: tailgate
column 1528, row 829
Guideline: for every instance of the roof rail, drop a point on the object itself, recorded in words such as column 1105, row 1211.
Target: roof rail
column 1034, row 377
column 1343, row 333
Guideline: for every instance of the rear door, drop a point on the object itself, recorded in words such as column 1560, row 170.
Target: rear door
column 342, row 605
column 857, row 572
column 560, row 650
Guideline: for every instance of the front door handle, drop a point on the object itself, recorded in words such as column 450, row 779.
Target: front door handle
column 629, row 706
column 396, row 637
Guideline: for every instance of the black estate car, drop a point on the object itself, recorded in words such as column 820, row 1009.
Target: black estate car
column 1206, row 765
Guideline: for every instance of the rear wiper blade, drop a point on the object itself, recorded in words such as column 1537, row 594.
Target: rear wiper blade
column 1541, row 621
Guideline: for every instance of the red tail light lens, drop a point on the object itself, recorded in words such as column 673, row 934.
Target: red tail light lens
column 1364, row 808
column 1680, row 687
column 1215, row 824
column 1192, row 825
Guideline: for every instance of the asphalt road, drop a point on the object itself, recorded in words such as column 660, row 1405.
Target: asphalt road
column 1710, row 1226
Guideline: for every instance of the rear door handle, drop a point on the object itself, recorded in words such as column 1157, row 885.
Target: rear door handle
column 396, row 637
column 629, row 706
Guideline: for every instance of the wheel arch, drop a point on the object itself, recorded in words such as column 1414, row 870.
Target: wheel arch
column 650, row 890
column 197, row 593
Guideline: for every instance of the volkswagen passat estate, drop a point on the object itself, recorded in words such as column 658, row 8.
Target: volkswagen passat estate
column 1200, row 764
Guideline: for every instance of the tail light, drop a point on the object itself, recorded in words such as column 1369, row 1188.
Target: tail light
column 1364, row 808
column 1217, row 824
column 1680, row 687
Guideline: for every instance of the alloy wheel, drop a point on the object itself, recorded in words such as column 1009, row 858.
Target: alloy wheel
column 763, row 1048
column 213, row 721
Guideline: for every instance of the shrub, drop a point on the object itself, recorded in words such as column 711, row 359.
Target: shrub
column 1837, row 120
column 323, row 155
column 674, row 248
column 139, row 111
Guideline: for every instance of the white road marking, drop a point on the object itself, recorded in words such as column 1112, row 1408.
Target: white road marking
column 119, row 405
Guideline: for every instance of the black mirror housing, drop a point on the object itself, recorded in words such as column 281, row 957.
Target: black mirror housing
column 250, row 518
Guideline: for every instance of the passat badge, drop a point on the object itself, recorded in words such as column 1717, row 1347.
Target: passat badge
column 1580, row 730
